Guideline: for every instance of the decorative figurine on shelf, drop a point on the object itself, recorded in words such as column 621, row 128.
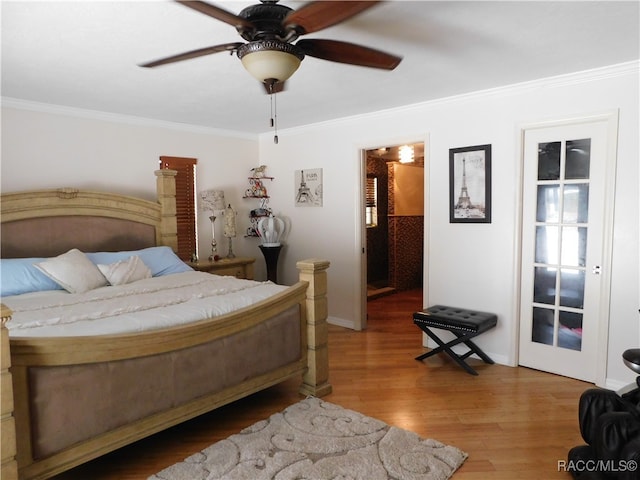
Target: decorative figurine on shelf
column 271, row 231
column 230, row 228
column 258, row 172
column 257, row 190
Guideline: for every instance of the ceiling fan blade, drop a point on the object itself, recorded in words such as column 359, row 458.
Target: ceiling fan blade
column 277, row 87
column 229, row 47
column 316, row 16
column 343, row 52
column 218, row 13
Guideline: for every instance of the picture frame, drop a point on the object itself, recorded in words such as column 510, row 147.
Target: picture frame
column 308, row 187
column 470, row 184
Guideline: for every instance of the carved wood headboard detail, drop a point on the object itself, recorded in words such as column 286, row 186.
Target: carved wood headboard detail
column 49, row 222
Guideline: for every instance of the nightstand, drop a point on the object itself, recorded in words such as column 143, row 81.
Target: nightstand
column 239, row 267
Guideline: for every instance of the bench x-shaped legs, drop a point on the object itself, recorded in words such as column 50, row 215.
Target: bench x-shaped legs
column 446, row 347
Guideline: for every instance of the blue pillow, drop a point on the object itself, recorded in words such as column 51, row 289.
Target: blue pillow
column 160, row 260
column 18, row 276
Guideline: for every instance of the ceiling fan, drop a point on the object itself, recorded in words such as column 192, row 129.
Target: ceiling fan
column 270, row 30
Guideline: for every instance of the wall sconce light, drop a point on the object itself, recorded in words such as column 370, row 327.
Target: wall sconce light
column 212, row 201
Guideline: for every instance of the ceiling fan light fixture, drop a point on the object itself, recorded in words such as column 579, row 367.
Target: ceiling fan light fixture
column 270, row 59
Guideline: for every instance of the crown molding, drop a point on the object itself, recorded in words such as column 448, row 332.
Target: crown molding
column 584, row 76
column 19, row 104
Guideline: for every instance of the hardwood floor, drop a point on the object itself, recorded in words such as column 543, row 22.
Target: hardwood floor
column 513, row 422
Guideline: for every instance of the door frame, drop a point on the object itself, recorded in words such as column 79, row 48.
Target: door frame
column 360, row 322
column 611, row 119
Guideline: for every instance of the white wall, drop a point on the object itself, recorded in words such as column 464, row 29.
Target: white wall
column 472, row 266
column 59, row 147
column 51, row 147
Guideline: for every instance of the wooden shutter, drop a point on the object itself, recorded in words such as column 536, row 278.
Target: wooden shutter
column 371, row 195
column 185, row 202
column 371, row 201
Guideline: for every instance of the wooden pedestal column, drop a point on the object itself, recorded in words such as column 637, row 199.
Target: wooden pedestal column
column 316, row 379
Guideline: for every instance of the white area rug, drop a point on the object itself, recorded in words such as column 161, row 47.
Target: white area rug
column 317, row 440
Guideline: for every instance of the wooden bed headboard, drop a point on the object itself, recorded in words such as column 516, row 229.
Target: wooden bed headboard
column 46, row 223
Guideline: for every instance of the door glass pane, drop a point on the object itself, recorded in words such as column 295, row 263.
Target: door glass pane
column 549, row 161
column 572, row 288
column 548, row 203
column 542, row 330
column 570, row 331
column 578, row 159
column 561, row 216
column 544, row 285
column 547, row 245
column 576, row 203
column 574, row 246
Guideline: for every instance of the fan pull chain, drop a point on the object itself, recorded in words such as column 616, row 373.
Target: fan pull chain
column 275, row 116
column 274, row 113
column 272, row 123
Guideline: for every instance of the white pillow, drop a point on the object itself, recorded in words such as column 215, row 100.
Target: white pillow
column 73, row 271
column 125, row 271
column 160, row 260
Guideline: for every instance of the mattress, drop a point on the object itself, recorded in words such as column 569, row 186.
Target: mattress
column 148, row 304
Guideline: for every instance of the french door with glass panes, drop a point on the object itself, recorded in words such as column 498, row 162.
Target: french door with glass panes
column 564, row 217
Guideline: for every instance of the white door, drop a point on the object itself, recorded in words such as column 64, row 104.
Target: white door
column 566, row 211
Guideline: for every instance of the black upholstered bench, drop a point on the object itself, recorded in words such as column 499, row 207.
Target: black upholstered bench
column 464, row 324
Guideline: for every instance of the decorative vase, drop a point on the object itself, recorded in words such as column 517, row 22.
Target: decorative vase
column 271, row 231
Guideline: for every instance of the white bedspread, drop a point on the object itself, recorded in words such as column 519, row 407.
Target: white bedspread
column 152, row 303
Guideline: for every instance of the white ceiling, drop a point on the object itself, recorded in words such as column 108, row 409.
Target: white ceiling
column 84, row 54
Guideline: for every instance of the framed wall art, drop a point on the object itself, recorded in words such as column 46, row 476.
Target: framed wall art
column 308, row 187
column 470, row 184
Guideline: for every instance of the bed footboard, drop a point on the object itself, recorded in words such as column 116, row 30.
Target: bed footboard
column 309, row 297
column 9, row 469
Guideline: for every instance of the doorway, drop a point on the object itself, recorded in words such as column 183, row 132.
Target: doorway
column 394, row 218
column 564, row 269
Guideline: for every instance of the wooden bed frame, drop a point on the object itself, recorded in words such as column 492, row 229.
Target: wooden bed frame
column 309, row 294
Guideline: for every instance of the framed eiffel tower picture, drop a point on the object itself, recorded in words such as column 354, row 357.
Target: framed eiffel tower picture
column 470, row 184
column 308, row 187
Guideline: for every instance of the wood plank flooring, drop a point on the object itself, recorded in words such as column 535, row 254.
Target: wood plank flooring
column 513, row 422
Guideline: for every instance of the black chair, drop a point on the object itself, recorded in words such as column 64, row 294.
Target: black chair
column 610, row 425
